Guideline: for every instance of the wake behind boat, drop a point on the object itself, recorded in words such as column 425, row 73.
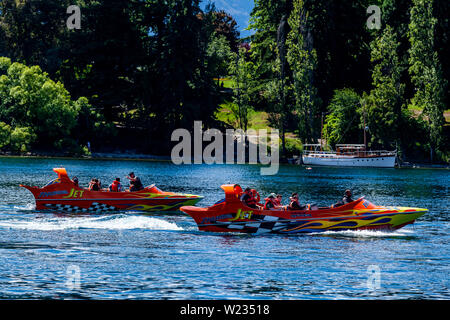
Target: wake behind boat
column 62, row 194
column 232, row 215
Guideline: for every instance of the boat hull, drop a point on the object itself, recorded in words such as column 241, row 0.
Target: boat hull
column 376, row 162
column 232, row 215
column 63, row 196
column 110, row 205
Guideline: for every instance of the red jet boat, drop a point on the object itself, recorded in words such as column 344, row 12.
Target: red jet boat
column 231, row 215
column 62, row 194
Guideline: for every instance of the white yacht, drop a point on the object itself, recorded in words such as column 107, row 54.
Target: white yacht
column 347, row 155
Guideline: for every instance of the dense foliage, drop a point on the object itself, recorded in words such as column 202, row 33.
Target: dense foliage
column 138, row 69
column 393, row 78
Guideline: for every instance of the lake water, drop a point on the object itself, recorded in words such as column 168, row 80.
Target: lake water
column 164, row 256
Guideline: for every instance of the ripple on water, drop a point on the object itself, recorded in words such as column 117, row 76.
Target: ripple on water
column 157, row 256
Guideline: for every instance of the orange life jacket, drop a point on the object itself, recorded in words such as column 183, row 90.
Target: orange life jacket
column 255, row 195
column 115, row 186
column 251, row 201
column 269, row 200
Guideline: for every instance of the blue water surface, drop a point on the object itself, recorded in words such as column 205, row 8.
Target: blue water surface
column 164, row 256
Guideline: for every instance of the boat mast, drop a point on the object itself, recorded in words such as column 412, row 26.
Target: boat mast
column 321, row 133
column 364, row 126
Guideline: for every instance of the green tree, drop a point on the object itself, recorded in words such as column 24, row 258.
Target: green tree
column 441, row 11
column 265, row 20
column 342, row 124
column 384, row 104
column 30, row 99
column 218, row 56
column 91, row 126
column 425, row 70
column 241, row 74
column 5, row 134
column 105, row 59
column 21, row 138
column 226, row 26
column 302, row 60
column 34, row 31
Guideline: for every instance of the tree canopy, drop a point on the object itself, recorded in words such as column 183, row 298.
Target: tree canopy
column 138, row 69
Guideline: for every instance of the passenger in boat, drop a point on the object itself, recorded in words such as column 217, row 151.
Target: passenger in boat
column 75, row 181
column 94, row 185
column 115, row 186
column 270, row 202
column 248, row 199
column 295, row 204
column 135, row 182
column 90, row 184
column 346, row 199
column 256, row 198
column 278, row 200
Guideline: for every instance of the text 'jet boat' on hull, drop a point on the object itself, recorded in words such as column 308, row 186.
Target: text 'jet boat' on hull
column 231, row 215
column 62, row 194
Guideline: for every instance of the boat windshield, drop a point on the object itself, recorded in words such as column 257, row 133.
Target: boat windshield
column 367, row 204
column 54, row 181
column 220, row 201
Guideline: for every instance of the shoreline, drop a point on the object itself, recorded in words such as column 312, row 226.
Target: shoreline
column 94, row 156
column 147, row 157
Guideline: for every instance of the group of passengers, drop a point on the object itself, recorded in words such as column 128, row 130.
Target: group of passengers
column 274, row 201
column 96, row 185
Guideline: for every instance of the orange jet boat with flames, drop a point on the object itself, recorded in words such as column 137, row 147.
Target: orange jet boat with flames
column 62, row 194
column 231, row 215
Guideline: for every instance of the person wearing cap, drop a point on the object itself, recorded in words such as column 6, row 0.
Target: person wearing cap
column 135, row 182
column 294, row 203
column 270, row 202
column 346, row 199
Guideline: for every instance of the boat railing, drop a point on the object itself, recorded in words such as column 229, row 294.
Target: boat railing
column 358, row 153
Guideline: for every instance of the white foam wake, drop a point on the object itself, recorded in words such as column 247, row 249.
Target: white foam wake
column 27, row 207
column 118, row 222
column 372, row 233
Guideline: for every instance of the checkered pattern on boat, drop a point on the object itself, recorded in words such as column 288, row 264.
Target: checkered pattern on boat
column 265, row 225
column 95, row 207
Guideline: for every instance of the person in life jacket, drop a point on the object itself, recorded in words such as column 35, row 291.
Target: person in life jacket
column 135, row 182
column 270, row 202
column 94, row 185
column 346, row 199
column 248, row 199
column 278, row 200
column 115, row 186
column 294, row 203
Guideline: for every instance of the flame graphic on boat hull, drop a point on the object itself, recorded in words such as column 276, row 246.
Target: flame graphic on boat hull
column 231, row 215
column 63, row 195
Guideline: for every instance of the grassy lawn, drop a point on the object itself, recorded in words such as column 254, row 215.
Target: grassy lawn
column 257, row 120
column 417, row 111
column 227, row 83
column 447, row 116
